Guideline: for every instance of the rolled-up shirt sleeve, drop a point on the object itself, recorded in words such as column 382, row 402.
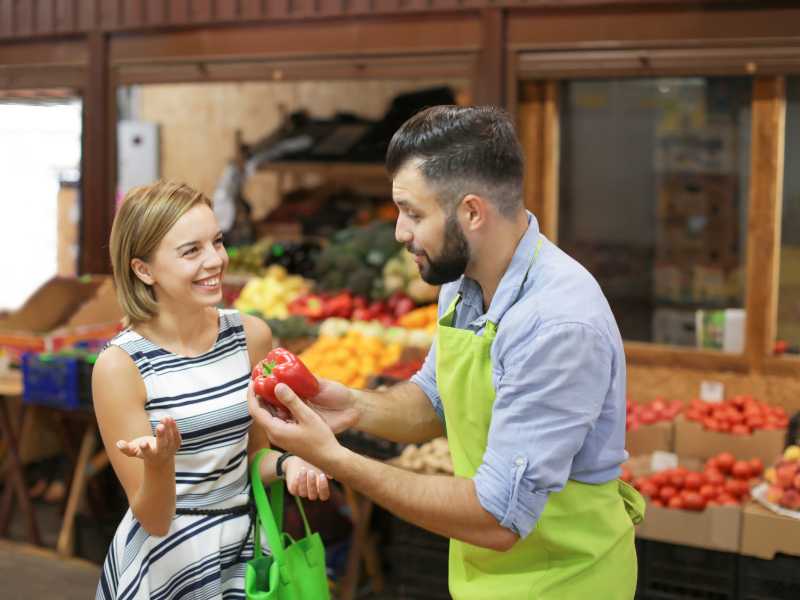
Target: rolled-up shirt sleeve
column 425, row 378
column 548, row 397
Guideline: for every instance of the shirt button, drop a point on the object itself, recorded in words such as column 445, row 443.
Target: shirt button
column 519, row 462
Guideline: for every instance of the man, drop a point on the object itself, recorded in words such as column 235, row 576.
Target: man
column 526, row 378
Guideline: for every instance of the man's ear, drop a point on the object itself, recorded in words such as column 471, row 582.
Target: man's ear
column 473, row 212
column 142, row 270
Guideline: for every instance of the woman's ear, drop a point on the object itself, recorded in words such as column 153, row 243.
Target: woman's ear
column 142, row 270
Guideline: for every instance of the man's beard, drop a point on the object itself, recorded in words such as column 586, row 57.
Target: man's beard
column 452, row 261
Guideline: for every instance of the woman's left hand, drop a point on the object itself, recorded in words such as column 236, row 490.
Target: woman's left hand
column 305, row 480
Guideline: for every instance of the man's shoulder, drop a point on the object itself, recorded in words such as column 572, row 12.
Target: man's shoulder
column 561, row 293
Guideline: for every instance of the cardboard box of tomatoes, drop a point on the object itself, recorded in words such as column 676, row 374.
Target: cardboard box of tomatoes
column 742, row 425
column 765, row 533
column 694, row 503
column 649, row 427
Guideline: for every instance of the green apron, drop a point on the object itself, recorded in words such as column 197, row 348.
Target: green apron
column 583, row 543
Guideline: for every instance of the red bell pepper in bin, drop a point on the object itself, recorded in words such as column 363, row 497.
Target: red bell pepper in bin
column 281, row 366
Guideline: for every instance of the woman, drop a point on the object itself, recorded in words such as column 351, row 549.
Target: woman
column 170, row 394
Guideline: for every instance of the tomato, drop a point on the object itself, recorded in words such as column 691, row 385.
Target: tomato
column 666, row 493
column 740, row 430
column 708, row 491
column 658, row 406
column 649, row 489
column 710, row 424
column 678, row 480
column 714, row 477
column 658, row 503
column 725, row 461
column 694, row 415
column 711, row 463
column 727, row 500
column 648, row 416
column 756, row 467
column 659, row 479
column 741, row 470
column 755, row 422
column 693, row 500
column 694, row 481
column 676, row 502
column 736, row 418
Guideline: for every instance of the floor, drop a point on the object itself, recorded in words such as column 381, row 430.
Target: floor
column 27, row 571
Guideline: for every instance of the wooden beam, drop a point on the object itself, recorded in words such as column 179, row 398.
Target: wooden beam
column 617, row 28
column 530, row 125
column 783, row 366
column 449, row 66
column 551, row 153
column 645, row 354
column 98, row 169
column 400, row 35
column 488, row 84
column 764, row 216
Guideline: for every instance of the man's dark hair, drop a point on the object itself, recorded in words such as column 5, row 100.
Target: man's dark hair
column 463, row 150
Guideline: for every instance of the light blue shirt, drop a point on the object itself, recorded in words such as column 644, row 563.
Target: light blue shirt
column 558, row 367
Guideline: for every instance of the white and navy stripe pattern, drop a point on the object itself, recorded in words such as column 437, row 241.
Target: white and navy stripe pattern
column 207, row 397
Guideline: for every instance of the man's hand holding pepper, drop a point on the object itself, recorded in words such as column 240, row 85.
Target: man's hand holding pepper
column 308, row 435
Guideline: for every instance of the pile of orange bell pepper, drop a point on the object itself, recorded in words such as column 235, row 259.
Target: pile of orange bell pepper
column 350, row 359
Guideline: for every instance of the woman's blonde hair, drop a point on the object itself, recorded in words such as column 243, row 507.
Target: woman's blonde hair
column 146, row 215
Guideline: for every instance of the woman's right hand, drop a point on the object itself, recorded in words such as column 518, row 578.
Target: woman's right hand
column 155, row 450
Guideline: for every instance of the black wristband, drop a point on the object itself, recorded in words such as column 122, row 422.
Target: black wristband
column 279, row 465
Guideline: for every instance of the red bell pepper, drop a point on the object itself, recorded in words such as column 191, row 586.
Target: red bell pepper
column 281, row 366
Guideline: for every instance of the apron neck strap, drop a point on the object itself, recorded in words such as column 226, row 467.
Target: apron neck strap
column 491, row 327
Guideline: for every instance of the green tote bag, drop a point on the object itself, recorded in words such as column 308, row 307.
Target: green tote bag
column 296, row 569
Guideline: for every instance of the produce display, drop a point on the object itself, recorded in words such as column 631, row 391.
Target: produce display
column 355, row 258
column 292, row 327
column 784, row 480
column 723, row 481
column 425, row 317
column 297, row 257
column 248, row 259
column 346, row 305
column 412, row 338
column 281, row 366
column 740, row 415
column 401, row 273
column 431, row 457
column 403, row 369
column 350, row 359
column 653, row 412
column 271, row 295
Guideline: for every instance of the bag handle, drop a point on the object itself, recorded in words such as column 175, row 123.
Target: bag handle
column 270, row 516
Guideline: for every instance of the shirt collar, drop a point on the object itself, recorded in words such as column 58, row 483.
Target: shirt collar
column 512, row 280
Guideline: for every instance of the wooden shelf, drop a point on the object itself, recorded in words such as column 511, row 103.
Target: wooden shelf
column 338, row 171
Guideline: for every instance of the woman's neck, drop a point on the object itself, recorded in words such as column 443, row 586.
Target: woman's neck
column 188, row 333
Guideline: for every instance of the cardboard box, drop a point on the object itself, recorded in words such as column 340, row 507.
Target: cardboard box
column 715, row 528
column 650, row 438
column 692, row 440
column 61, row 312
column 765, row 533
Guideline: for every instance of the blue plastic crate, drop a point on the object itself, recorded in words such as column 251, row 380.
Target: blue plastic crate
column 52, row 380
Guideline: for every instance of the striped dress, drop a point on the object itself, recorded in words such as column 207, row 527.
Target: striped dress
column 207, row 396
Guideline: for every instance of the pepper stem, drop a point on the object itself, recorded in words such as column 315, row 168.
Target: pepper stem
column 268, row 367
